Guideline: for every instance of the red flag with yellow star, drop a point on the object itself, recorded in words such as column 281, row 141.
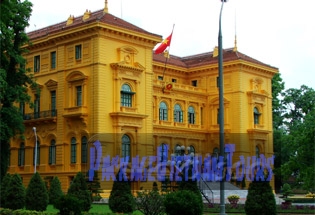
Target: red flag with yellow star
column 166, row 42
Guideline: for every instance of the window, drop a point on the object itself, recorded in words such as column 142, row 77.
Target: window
column 125, row 149
column 84, row 149
column 37, row 106
column 216, row 152
column 191, row 115
column 36, row 63
column 194, row 83
column 79, row 95
column 257, row 152
column 126, row 96
column 53, row 102
column 73, row 150
column 174, row 80
column 178, row 113
column 162, row 153
column 192, row 150
column 160, row 78
column 218, row 116
column 37, row 154
column 22, row 108
column 256, row 116
column 21, row 155
column 53, row 60
column 52, row 152
column 78, row 52
column 163, row 111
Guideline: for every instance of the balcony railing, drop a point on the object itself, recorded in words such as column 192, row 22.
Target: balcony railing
column 40, row 115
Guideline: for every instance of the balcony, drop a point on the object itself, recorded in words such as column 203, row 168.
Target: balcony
column 49, row 115
column 78, row 111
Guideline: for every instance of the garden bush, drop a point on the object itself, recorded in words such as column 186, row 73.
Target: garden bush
column 36, row 194
column 121, row 199
column 150, row 202
column 260, row 199
column 15, row 193
column 184, row 202
column 4, row 189
column 55, row 191
column 79, row 189
column 69, row 204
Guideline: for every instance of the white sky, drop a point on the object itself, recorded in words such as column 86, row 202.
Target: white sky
column 280, row 33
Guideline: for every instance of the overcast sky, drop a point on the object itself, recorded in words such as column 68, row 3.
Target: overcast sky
column 280, row 33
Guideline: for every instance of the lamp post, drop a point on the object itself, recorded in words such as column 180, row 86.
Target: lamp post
column 221, row 110
column 35, row 161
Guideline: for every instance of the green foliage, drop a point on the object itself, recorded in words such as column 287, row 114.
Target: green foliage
column 5, row 183
column 286, row 190
column 260, row 199
column 36, row 194
column 94, row 187
column 79, row 189
column 184, row 202
column 150, row 202
column 14, row 78
column 121, row 199
column 69, row 204
column 54, row 191
column 15, row 191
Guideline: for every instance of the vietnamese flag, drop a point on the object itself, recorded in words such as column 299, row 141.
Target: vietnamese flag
column 165, row 43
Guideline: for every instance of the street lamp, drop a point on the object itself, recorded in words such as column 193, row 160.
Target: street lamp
column 35, row 162
column 221, row 109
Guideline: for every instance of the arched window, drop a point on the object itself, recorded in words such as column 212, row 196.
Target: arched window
column 216, row 152
column 191, row 115
column 52, row 152
column 38, row 154
column 162, row 153
column 192, row 150
column 84, row 149
column 178, row 113
column 126, row 96
column 21, row 156
column 125, row 146
column 163, row 111
column 73, row 150
column 256, row 116
column 257, row 152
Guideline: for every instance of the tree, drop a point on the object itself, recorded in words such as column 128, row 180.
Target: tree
column 36, row 194
column 121, row 199
column 79, row 189
column 14, row 78
column 260, row 199
column 94, row 187
column 55, row 191
column 15, row 191
column 5, row 183
column 300, row 136
column 184, row 202
column 150, row 202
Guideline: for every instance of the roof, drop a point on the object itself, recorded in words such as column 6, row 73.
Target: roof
column 97, row 16
column 206, row 59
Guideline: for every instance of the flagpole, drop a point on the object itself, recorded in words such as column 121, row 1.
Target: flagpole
column 166, row 59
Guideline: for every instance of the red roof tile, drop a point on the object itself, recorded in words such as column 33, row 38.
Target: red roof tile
column 206, row 59
column 97, row 16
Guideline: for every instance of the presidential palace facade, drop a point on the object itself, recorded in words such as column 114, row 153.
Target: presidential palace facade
column 100, row 82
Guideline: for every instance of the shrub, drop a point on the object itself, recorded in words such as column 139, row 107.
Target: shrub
column 260, row 199
column 36, row 194
column 69, row 204
column 4, row 189
column 286, row 190
column 79, row 189
column 121, row 199
column 15, row 191
column 184, row 202
column 55, row 191
column 150, row 202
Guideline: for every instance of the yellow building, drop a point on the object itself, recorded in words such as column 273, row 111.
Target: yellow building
column 100, row 82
